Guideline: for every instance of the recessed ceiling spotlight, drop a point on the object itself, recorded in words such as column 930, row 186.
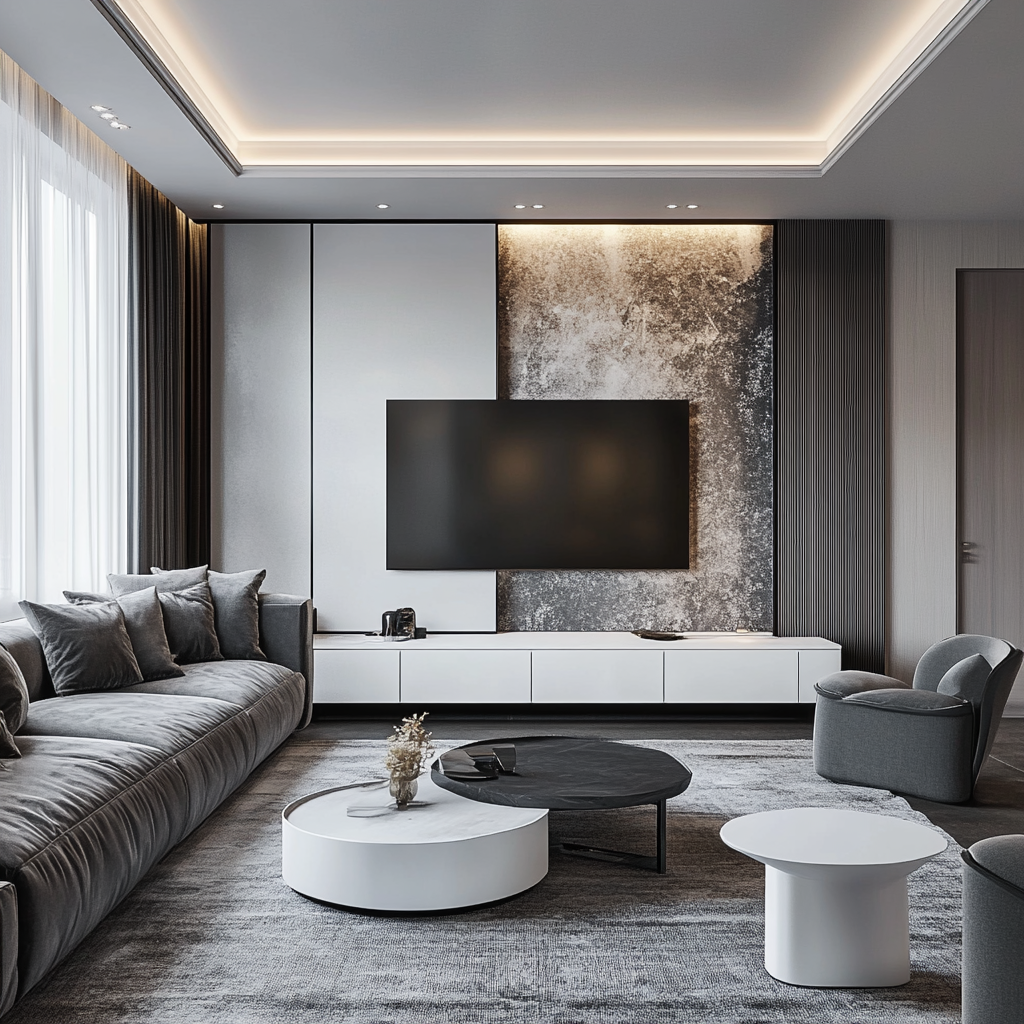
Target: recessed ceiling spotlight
column 382, row 206
column 118, row 124
column 108, row 115
column 538, row 206
column 691, row 206
column 218, row 206
column 99, row 108
column 520, row 206
column 672, row 206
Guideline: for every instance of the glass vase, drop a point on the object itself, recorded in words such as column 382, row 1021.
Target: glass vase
column 403, row 790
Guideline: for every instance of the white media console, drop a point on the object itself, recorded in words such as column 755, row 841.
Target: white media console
column 570, row 668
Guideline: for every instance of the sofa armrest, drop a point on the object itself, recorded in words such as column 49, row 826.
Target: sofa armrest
column 286, row 636
column 912, row 702
column 839, row 685
column 8, row 945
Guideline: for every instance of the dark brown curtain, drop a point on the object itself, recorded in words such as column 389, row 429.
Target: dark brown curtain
column 169, row 368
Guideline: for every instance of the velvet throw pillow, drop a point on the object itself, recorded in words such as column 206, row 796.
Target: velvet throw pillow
column 87, row 647
column 14, row 698
column 8, row 748
column 189, row 621
column 966, row 679
column 144, row 620
column 236, row 610
column 173, row 579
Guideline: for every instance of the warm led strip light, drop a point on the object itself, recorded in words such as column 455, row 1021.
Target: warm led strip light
column 212, row 112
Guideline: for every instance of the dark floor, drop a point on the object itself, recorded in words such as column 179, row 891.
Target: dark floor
column 996, row 809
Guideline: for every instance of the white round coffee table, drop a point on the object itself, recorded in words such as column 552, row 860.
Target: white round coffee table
column 835, row 892
column 450, row 853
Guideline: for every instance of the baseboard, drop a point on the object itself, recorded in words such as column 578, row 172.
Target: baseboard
column 572, row 712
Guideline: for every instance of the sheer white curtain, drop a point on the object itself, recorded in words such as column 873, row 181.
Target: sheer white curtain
column 63, row 349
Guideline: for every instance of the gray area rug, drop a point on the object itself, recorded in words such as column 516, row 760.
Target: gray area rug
column 212, row 934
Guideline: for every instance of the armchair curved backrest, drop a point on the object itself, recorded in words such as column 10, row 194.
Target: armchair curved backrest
column 1005, row 661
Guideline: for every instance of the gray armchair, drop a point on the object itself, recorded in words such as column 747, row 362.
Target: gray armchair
column 993, row 983
column 928, row 740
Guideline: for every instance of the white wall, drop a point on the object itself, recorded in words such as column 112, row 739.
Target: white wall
column 399, row 311
column 924, row 258
column 261, row 409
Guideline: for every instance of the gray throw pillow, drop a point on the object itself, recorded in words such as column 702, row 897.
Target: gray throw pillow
column 8, row 748
column 188, row 619
column 236, row 609
column 13, row 692
column 172, row 579
column 144, row 620
column 966, row 679
column 86, row 646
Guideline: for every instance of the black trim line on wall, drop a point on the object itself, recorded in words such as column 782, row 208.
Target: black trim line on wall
column 137, row 43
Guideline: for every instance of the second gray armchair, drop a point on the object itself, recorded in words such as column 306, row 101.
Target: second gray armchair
column 928, row 740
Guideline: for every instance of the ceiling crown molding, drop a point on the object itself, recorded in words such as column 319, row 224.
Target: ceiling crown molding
column 486, row 158
column 142, row 49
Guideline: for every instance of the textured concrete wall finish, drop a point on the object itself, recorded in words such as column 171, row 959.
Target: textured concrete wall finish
column 653, row 311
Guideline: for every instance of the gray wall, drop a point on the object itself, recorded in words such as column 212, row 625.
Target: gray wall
column 924, row 257
column 260, row 407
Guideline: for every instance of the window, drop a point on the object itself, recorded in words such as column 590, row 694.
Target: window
column 63, row 350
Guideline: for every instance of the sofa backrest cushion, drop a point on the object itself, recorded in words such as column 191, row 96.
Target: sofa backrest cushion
column 19, row 639
column 966, row 679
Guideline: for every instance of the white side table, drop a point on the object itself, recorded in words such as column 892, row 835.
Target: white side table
column 449, row 854
column 835, row 894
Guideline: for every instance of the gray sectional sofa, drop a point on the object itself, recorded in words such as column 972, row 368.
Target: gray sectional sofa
column 108, row 782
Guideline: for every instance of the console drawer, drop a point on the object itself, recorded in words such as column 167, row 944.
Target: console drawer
column 358, row 677
column 731, row 677
column 598, row 677
column 471, row 677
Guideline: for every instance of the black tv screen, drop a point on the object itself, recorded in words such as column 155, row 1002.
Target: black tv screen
column 538, row 484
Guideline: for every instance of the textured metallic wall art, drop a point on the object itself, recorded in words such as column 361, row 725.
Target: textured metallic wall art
column 653, row 311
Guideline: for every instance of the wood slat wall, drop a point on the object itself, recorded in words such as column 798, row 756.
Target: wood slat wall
column 830, row 461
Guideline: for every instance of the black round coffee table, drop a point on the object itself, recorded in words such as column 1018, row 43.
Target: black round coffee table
column 571, row 773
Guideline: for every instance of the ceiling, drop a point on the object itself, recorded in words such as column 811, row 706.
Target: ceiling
column 461, row 109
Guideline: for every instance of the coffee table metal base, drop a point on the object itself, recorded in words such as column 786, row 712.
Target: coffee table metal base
column 658, row 863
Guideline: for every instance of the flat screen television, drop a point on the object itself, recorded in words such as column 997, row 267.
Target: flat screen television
column 538, row 484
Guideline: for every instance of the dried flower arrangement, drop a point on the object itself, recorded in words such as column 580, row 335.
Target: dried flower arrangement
column 409, row 750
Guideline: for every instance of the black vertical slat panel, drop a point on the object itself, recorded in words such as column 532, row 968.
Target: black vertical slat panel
column 830, row 362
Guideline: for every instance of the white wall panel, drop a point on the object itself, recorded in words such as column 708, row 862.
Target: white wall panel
column 260, row 408
column 399, row 311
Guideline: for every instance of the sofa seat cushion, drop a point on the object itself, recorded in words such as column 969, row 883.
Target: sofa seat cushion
column 167, row 723
column 83, row 820
column 59, row 782
column 242, row 683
